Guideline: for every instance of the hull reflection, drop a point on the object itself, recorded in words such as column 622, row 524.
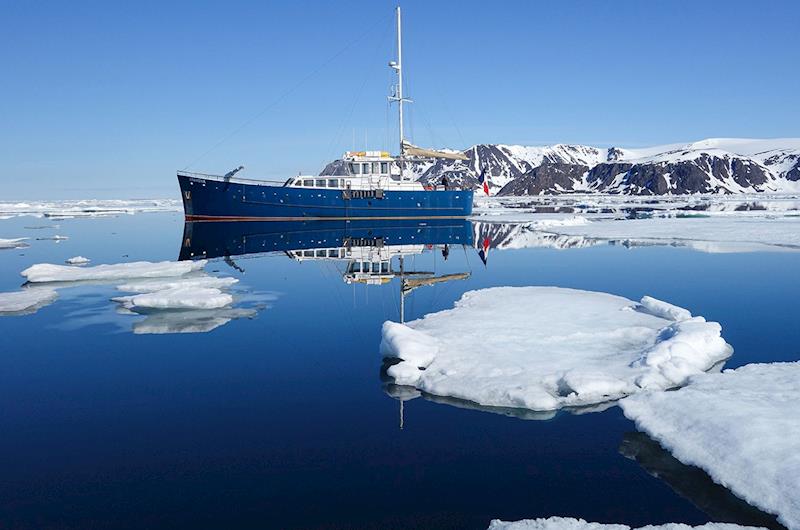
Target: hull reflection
column 203, row 240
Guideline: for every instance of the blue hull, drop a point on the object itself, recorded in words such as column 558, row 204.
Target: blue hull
column 212, row 240
column 212, row 200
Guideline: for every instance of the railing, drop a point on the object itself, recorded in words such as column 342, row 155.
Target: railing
column 222, row 178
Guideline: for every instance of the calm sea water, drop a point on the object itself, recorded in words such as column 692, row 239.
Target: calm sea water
column 283, row 420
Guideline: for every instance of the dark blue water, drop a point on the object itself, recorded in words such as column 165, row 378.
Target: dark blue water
column 284, row 421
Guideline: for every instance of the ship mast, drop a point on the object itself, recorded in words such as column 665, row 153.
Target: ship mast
column 397, row 95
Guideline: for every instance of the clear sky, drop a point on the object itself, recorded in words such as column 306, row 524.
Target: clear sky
column 108, row 99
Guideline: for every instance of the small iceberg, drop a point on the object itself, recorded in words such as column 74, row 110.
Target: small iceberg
column 13, row 243
column 26, row 301
column 77, row 260
column 568, row 523
column 741, row 426
column 46, row 272
column 177, row 298
column 544, row 348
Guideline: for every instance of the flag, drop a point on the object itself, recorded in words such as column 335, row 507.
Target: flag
column 483, row 181
column 483, row 253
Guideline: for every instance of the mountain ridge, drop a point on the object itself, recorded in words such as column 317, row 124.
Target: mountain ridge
column 713, row 165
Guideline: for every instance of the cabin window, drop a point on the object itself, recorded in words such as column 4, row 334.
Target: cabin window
column 308, row 183
column 333, row 183
column 355, row 169
column 385, row 168
column 333, row 253
column 308, row 253
column 320, row 253
column 320, row 183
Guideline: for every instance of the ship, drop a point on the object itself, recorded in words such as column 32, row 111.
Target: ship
column 371, row 185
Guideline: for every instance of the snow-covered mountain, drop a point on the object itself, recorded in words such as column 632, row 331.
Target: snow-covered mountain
column 719, row 165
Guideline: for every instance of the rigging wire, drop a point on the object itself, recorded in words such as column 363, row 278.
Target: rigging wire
column 282, row 96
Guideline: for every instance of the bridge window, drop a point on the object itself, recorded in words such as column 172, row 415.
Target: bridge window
column 365, row 168
column 385, row 168
column 355, row 169
column 376, row 167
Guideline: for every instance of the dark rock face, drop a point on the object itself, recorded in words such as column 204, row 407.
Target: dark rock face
column 790, row 159
column 680, row 177
column 548, row 178
column 493, row 159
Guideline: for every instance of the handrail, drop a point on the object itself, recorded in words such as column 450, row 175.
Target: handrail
column 222, row 178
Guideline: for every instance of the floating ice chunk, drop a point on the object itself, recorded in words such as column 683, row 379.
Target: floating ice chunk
column 13, row 243
column 87, row 207
column 664, row 310
column 78, row 260
column 712, row 234
column 741, row 426
column 45, row 272
column 543, row 348
column 178, row 298
column 568, row 523
column 151, row 286
column 26, row 300
column 57, row 238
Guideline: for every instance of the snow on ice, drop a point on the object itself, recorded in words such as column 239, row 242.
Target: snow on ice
column 77, row 260
column 543, row 348
column 720, row 234
column 87, row 208
column 741, row 426
column 568, row 523
column 46, row 272
column 26, row 300
column 13, row 243
column 178, row 298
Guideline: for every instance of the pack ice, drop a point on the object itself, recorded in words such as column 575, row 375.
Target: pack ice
column 26, row 300
column 741, row 426
column 568, row 523
column 543, row 348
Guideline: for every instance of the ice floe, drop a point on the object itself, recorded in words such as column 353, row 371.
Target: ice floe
column 568, row 523
column 713, row 234
column 87, row 208
column 178, row 298
column 172, row 297
column 26, row 301
column 741, row 426
column 13, row 243
column 692, row 483
column 198, row 281
column 543, row 348
column 46, row 272
column 77, row 260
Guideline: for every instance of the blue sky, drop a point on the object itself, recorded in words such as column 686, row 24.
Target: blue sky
column 108, row 99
